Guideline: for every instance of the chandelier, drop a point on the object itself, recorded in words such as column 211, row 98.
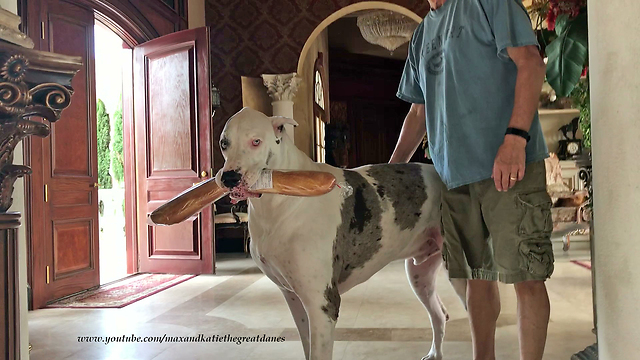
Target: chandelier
column 386, row 28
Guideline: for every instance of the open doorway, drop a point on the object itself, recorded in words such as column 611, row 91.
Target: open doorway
column 364, row 70
column 110, row 54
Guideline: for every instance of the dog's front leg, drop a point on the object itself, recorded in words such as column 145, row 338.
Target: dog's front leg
column 322, row 310
column 300, row 317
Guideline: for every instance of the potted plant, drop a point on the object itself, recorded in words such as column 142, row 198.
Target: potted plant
column 561, row 27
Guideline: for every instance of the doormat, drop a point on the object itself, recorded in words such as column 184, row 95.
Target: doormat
column 584, row 264
column 122, row 293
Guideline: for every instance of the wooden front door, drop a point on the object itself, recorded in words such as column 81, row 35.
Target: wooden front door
column 173, row 142
column 67, row 242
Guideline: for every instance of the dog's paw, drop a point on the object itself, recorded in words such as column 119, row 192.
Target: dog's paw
column 432, row 356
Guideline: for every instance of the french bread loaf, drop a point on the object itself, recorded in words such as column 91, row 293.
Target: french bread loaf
column 196, row 198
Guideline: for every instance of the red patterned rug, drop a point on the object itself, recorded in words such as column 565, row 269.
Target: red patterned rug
column 122, row 293
column 584, row 264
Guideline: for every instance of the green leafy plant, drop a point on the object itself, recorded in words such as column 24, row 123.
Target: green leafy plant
column 567, row 55
column 117, row 159
column 104, row 137
column 562, row 30
column 580, row 97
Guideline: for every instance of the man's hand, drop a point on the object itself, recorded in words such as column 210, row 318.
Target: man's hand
column 413, row 130
column 510, row 162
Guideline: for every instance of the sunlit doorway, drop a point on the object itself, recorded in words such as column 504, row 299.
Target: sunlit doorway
column 110, row 54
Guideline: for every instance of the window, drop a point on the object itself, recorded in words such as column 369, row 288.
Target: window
column 319, row 90
column 319, row 113
column 320, row 146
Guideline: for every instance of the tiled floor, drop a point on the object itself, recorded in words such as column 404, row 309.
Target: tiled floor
column 379, row 320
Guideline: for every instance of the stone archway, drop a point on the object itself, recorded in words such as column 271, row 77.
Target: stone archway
column 303, row 104
column 365, row 5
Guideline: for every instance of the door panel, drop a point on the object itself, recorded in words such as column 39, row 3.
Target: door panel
column 70, row 161
column 173, row 138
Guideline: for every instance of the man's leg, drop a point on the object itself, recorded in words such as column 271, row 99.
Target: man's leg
column 483, row 301
column 520, row 224
column 533, row 318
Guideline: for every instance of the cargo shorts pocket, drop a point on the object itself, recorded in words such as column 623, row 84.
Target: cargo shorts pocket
column 536, row 221
column 538, row 257
column 534, row 231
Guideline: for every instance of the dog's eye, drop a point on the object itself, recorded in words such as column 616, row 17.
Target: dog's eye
column 256, row 142
column 224, row 144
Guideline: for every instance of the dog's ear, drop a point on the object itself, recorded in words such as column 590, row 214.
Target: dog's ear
column 278, row 123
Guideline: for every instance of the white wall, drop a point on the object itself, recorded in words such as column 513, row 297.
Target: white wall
column 18, row 205
column 614, row 50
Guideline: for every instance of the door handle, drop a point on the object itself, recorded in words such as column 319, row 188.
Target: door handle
column 203, row 174
column 95, row 185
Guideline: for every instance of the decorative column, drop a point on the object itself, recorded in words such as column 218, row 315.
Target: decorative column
column 32, row 83
column 282, row 88
column 614, row 45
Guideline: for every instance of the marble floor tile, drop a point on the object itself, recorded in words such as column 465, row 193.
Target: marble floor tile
column 380, row 319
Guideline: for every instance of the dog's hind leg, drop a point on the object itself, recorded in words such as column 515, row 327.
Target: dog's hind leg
column 423, row 281
column 300, row 317
column 460, row 286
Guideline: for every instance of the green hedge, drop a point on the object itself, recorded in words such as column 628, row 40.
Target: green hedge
column 104, row 138
column 117, row 160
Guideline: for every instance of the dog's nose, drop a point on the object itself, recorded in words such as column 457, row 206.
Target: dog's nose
column 231, row 179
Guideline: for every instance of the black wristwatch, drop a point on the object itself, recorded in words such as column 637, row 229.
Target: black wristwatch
column 518, row 132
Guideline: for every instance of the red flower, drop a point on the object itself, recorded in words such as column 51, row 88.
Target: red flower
column 551, row 18
column 561, row 7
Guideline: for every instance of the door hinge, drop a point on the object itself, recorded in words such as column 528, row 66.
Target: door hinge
column 42, row 30
column 48, row 274
column 46, row 192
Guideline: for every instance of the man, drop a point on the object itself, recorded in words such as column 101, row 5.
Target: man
column 473, row 76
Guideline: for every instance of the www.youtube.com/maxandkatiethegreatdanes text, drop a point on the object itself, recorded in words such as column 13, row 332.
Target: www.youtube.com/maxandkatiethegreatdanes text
column 200, row 338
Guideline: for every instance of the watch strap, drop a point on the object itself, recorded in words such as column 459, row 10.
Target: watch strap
column 518, row 132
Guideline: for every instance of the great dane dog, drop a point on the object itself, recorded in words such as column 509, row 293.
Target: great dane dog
column 317, row 248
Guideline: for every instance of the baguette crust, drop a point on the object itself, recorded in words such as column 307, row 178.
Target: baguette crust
column 187, row 203
column 196, row 198
column 301, row 183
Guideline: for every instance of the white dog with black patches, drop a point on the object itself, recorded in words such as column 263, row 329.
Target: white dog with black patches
column 317, row 248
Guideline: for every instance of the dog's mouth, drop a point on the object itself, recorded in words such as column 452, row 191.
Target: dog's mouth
column 241, row 192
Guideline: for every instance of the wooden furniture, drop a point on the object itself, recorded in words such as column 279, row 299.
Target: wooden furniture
column 570, row 211
column 236, row 218
column 32, row 84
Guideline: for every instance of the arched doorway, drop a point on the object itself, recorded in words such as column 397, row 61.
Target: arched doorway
column 351, row 132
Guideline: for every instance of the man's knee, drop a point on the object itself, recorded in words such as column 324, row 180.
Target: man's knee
column 532, row 288
column 482, row 285
column 483, row 292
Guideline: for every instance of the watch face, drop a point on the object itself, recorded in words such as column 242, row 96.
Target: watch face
column 573, row 148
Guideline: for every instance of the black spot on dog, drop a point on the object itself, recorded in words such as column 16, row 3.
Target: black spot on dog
column 405, row 187
column 332, row 307
column 269, row 156
column 416, row 277
column 361, row 213
column 358, row 236
column 380, row 189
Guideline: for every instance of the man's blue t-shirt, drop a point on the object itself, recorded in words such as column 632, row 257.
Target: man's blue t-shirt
column 459, row 68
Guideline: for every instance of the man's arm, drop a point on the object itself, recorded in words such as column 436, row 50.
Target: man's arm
column 413, row 130
column 509, row 165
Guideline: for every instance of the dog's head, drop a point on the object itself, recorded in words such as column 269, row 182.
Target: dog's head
column 250, row 142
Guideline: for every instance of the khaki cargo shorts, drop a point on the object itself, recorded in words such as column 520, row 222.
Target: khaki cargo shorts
column 504, row 236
